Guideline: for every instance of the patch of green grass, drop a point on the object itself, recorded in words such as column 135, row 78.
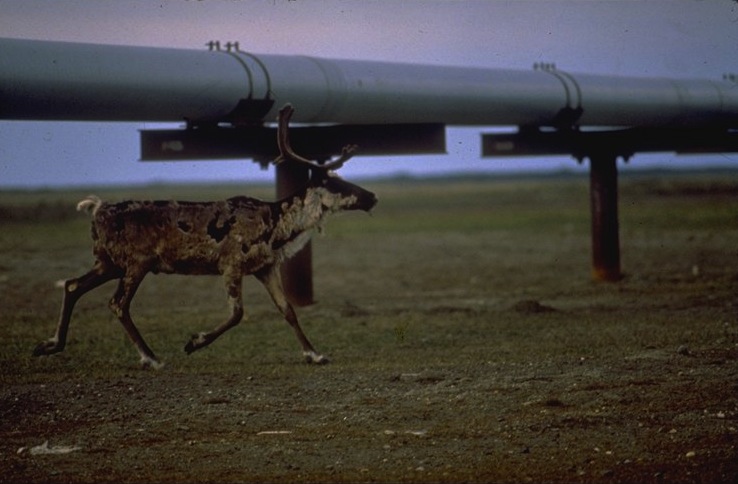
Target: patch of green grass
column 430, row 277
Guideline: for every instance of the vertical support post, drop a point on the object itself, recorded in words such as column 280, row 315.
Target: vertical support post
column 297, row 272
column 603, row 189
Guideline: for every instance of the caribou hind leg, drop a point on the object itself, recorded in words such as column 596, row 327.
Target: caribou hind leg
column 272, row 281
column 74, row 289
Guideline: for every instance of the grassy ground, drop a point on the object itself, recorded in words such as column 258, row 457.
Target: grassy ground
column 468, row 341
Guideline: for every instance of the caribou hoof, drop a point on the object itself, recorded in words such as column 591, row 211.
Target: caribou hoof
column 48, row 347
column 149, row 362
column 313, row 357
column 196, row 342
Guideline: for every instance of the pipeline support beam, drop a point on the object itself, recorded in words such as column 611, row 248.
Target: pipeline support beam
column 603, row 192
column 603, row 148
column 314, row 142
column 297, row 272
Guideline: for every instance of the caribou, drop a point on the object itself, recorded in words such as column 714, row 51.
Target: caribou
column 233, row 238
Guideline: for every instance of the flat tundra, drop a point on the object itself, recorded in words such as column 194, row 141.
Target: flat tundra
column 233, row 238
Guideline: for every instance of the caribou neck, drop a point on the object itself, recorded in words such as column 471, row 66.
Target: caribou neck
column 302, row 212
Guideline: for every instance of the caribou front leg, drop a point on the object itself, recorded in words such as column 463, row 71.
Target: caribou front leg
column 235, row 301
column 120, row 304
column 273, row 283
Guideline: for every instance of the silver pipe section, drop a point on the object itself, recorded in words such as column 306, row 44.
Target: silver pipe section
column 42, row 80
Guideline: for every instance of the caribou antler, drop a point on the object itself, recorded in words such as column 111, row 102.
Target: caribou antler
column 286, row 152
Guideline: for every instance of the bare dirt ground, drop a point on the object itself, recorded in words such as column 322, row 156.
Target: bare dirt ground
column 468, row 344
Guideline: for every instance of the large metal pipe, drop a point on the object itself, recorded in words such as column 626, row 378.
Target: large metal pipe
column 42, row 80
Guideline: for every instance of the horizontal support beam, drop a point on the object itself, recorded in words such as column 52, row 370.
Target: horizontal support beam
column 315, row 142
column 622, row 142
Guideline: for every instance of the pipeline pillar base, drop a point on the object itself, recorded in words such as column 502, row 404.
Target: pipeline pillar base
column 605, row 227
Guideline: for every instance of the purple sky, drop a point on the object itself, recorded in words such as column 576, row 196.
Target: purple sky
column 687, row 38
